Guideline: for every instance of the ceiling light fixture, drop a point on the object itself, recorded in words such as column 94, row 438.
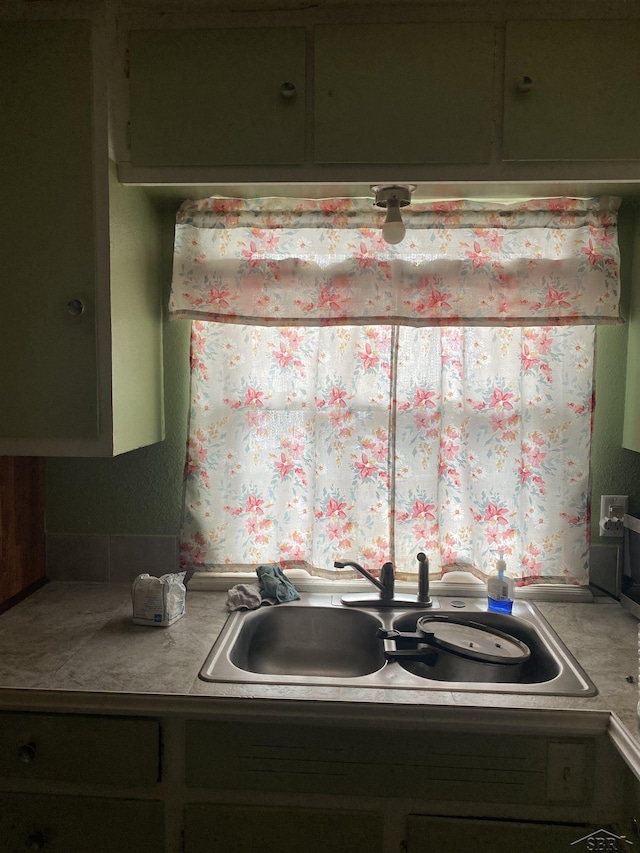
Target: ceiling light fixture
column 393, row 197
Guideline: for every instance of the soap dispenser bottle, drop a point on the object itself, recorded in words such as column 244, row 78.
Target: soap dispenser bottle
column 500, row 588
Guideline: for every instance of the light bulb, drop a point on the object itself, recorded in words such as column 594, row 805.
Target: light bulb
column 393, row 229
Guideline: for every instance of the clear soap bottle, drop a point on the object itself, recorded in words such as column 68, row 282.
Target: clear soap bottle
column 500, row 588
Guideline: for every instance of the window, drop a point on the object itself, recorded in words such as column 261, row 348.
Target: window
column 323, row 441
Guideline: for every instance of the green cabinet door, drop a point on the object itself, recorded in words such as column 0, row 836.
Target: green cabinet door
column 217, row 97
column 210, row 828
column 467, row 835
column 571, row 90
column 80, row 824
column 48, row 375
column 403, row 93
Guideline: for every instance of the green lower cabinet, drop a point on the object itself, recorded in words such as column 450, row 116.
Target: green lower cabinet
column 79, row 825
column 79, row 749
column 210, row 828
column 427, row 834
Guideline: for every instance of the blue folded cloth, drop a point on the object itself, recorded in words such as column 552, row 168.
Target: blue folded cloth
column 275, row 586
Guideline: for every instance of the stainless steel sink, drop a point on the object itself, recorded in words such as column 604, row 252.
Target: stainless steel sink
column 319, row 641
column 312, row 641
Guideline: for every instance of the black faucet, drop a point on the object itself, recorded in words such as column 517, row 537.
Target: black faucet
column 386, row 584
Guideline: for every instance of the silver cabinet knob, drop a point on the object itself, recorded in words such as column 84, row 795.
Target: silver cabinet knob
column 287, row 91
column 27, row 752
column 35, row 841
column 525, row 85
column 75, row 307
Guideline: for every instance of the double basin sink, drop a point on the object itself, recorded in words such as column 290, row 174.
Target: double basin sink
column 319, row 641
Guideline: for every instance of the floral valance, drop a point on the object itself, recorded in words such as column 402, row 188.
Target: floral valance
column 317, row 262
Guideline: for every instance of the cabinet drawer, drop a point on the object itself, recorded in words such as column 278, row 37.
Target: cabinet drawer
column 79, row 825
column 216, row 97
column 100, row 750
column 336, row 760
column 241, row 829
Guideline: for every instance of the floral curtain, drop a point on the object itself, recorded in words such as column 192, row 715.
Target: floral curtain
column 292, row 430
column 369, row 441
column 322, row 262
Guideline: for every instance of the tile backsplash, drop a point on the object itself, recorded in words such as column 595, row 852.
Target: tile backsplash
column 118, row 558
column 105, row 558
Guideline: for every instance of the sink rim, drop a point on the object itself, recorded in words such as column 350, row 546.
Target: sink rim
column 572, row 680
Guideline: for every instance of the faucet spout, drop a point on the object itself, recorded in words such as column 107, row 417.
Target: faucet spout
column 342, row 564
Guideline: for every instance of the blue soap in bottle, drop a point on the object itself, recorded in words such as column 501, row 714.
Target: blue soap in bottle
column 500, row 588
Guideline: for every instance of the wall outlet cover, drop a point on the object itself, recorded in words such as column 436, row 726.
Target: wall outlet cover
column 613, row 508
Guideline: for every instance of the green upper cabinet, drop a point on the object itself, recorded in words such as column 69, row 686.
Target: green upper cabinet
column 81, row 318
column 217, row 97
column 403, row 93
column 228, row 104
column 571, row 90
column 48, row 380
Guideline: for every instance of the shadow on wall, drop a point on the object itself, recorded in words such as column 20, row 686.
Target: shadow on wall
column 139, row 492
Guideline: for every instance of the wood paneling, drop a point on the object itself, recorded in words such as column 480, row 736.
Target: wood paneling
column 22, row 544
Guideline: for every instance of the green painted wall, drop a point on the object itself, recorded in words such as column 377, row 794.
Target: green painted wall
column 615, row 470
column 141, row 491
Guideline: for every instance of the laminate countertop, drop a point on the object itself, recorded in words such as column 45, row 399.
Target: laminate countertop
column 73, row 646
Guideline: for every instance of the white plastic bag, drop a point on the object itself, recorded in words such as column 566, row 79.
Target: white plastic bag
column 158, row 601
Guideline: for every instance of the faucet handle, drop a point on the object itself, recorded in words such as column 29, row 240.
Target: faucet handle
column 423, row 580
column 387, row 579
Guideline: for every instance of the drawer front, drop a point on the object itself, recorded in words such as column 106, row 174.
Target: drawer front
column 73, row 748
column 338, row 760
column 79, row 825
